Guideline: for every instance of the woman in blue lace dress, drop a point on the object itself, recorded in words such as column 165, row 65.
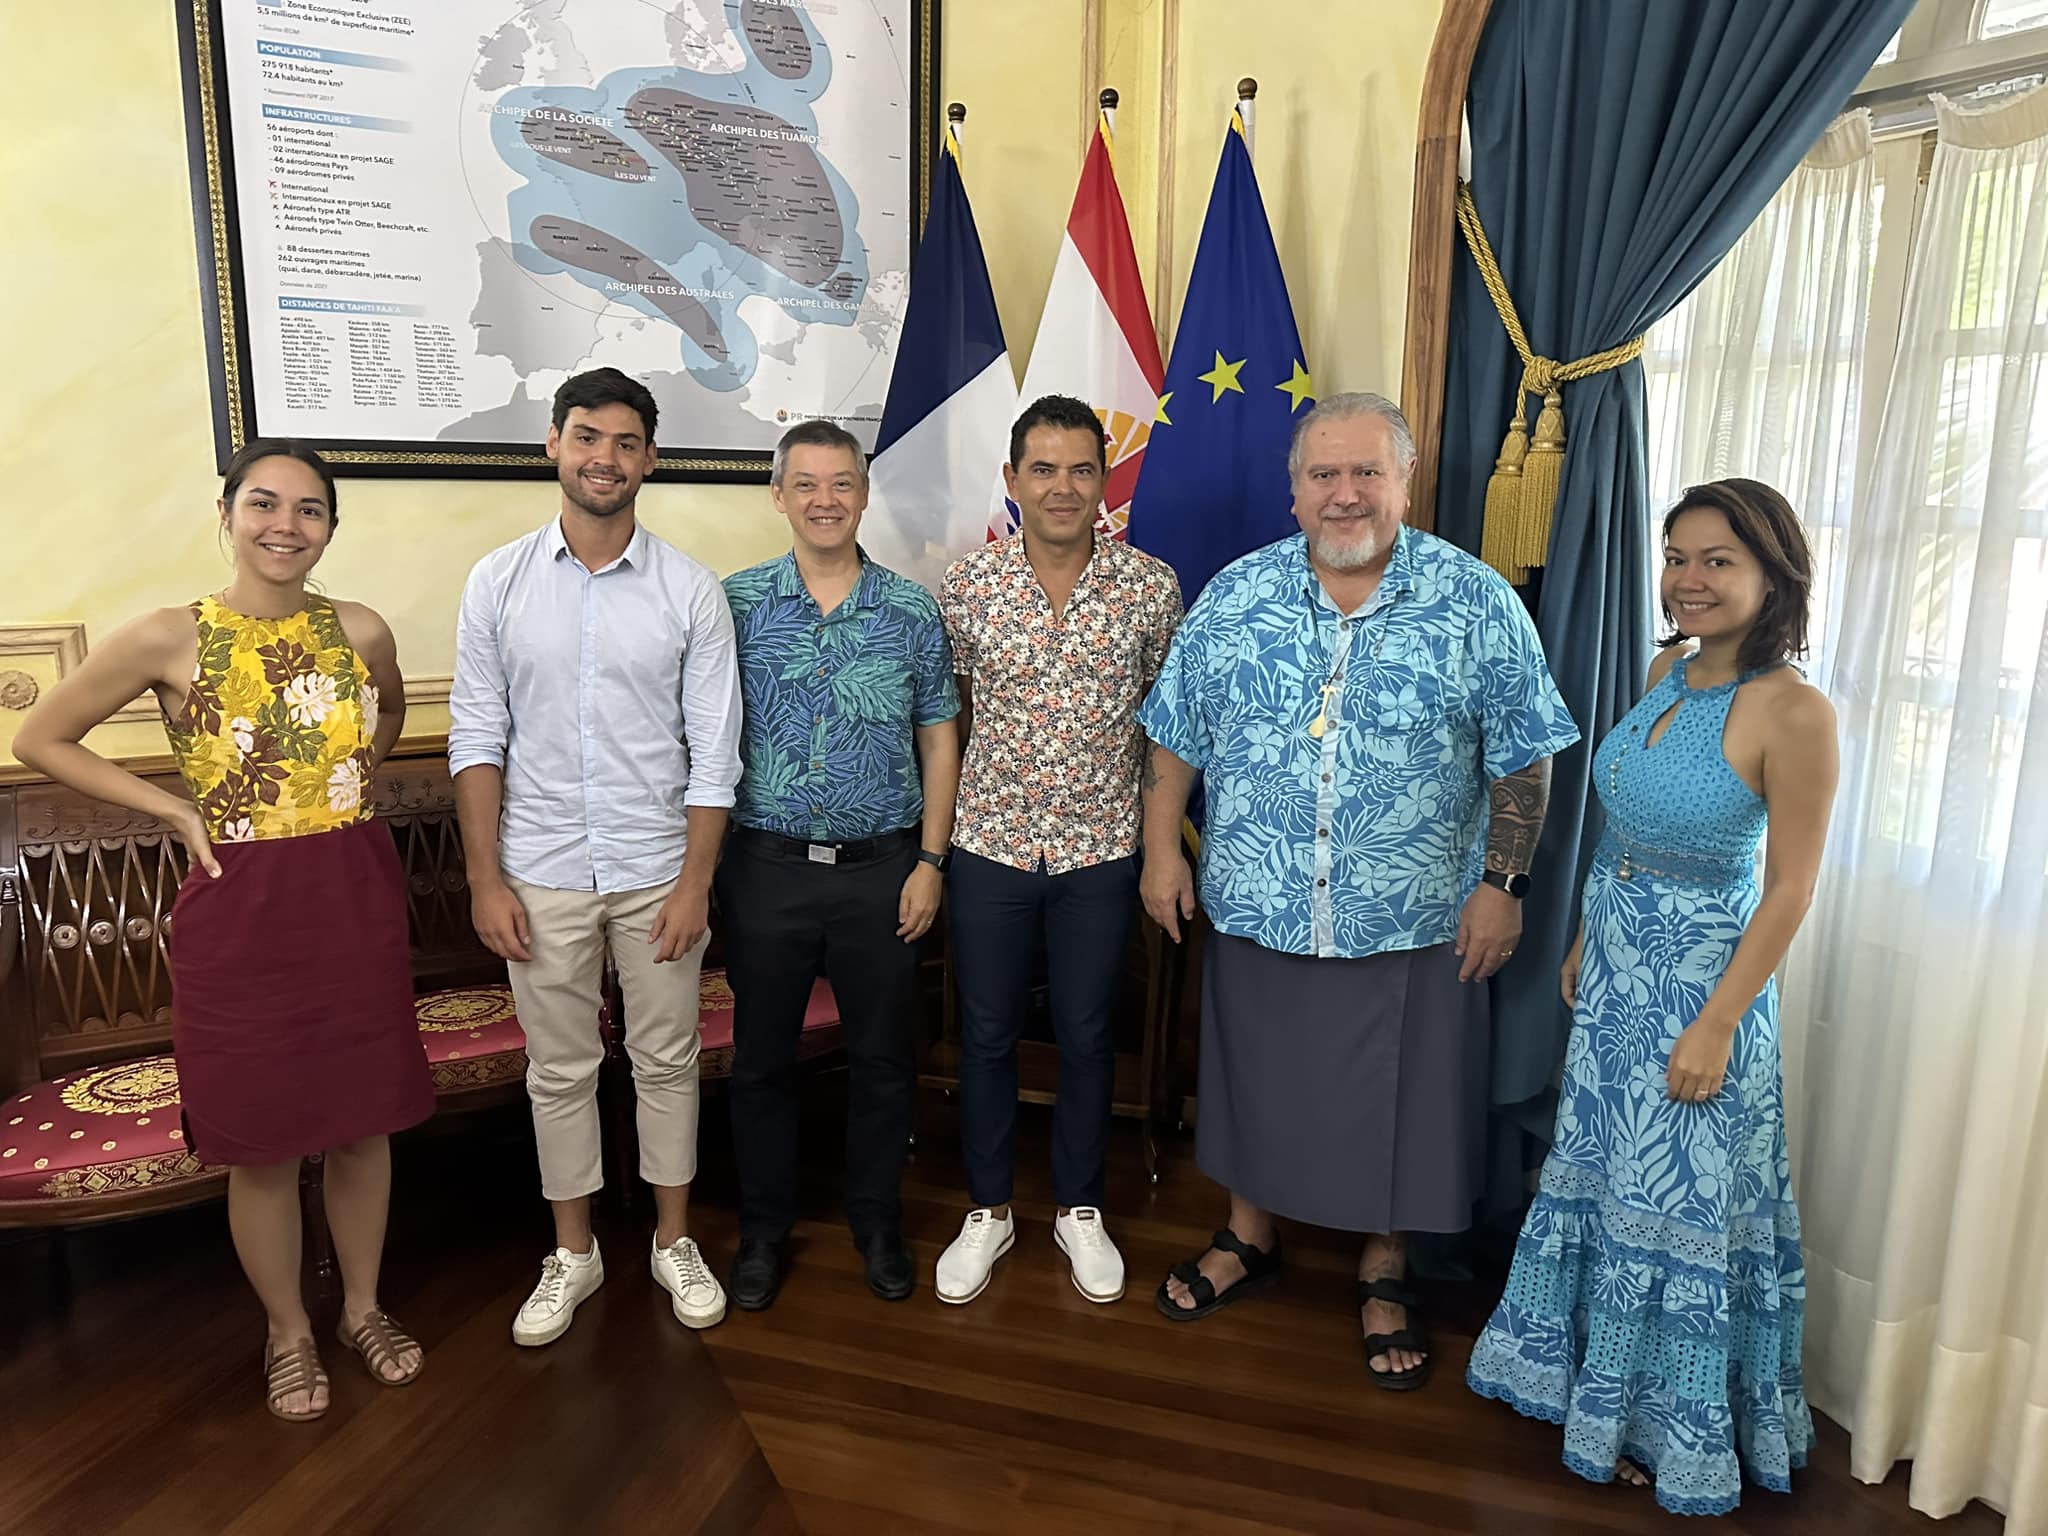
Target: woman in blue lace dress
column 1654, row 1307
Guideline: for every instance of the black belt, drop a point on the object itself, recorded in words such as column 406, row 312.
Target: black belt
column 827, row 851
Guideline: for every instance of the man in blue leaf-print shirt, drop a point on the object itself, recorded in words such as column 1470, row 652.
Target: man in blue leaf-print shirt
column 851, row 758
column 1374, row 722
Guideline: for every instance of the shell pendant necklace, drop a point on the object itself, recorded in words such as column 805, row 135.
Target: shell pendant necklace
column 1320, row 726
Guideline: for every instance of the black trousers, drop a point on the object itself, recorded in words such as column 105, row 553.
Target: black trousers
column 788, row 920
column 998, row 913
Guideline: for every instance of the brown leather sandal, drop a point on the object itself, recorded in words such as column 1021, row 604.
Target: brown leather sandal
column 380, row 1341
column 295, row 1368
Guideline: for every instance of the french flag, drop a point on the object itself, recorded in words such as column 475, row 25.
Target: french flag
column 952, row 397
column 1095, row 338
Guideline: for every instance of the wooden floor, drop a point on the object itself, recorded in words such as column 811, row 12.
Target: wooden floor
column 129, row 1398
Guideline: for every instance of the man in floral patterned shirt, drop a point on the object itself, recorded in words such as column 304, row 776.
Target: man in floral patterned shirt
column 1355, row 696
column 1057, row 633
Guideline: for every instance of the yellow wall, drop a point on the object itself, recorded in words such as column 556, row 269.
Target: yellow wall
column 106, row 469
column 1017, row 70
column 1340, row 84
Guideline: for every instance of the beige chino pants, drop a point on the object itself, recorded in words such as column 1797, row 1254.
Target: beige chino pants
column 558, row 993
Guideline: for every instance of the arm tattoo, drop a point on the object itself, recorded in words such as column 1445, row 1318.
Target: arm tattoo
column 1151, row 769
column 1518, row 803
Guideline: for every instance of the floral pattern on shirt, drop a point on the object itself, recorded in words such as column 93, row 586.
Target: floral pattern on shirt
column 1053, row 749
column 274, row 736
column 831, row 702
column 1368, row 837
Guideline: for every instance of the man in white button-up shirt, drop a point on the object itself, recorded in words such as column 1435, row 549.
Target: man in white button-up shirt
column 594, row 738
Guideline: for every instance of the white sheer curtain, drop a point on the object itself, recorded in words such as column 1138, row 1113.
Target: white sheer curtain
column 1760, row 371
column 1916, row 1000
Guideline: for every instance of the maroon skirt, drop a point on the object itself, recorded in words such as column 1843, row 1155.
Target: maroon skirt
column 291, row 998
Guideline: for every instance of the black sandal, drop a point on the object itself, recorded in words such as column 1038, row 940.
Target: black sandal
column 1414, row 1337
column 1261, row 1268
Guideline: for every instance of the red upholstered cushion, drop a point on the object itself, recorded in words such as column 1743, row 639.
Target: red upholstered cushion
column 472, row 1037
column 102, row 1132
column 115, row 1130
column 714, row 1023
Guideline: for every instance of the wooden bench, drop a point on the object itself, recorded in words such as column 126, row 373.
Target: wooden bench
column 89, row 1120
column 89, row 1116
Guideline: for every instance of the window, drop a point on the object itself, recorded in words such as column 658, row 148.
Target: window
column 1960, row 48
column 1768, row 368
column 1906, row 418
column 1998, row 18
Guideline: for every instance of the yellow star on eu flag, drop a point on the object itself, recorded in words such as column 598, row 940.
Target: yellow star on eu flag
column 1223, row 376
column 1297, row 388
column 1162, row 419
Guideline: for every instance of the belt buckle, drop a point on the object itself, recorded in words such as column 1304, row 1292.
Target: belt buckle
column 822, row 853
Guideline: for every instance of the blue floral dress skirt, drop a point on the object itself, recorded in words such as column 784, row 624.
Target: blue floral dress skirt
column 1655, row 1304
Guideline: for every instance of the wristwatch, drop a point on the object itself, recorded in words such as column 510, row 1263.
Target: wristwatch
column 1516, row 885
column 939, row 861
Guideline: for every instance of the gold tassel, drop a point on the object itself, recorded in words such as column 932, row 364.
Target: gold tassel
column 1542, row 474
column 1521, row 498
column 1504, row 499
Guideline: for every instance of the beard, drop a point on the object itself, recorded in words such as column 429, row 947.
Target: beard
column 1350, row 555
column 590, row 502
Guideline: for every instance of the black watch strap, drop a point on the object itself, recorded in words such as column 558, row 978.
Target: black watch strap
column 1516, row 884
column 939, row 861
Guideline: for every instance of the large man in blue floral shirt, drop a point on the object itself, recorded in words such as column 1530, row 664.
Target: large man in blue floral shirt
column 850, row 759
column 1371, row 712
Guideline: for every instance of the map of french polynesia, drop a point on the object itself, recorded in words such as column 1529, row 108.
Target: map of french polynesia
column 713, row 195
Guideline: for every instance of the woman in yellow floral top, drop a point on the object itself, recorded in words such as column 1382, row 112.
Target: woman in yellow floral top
column 291, row 983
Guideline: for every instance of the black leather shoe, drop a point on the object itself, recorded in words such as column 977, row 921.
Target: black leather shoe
column 756, row 1276
column 891, row 1273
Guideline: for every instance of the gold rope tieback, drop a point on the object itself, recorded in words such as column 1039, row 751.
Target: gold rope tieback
column 1521, row 496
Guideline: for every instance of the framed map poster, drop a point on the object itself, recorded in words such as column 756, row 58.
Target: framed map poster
column 417, row 217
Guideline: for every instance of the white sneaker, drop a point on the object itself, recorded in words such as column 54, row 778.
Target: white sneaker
column 680, row 1270
column 1098, row 1269
column 565, row 1279
column 964, row 1267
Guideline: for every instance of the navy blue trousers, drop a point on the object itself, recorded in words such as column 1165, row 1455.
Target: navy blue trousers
column 997, row 914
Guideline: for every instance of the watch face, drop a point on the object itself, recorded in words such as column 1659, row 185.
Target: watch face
column 1518, row 885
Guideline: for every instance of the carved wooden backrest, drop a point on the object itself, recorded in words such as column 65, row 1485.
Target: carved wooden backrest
column 97, row 885
column 416, row 799
column 94, row 886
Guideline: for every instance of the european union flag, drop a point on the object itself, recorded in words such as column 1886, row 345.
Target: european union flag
column 1214, row 484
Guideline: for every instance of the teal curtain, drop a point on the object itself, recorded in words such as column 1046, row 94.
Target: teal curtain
column 1619, row 148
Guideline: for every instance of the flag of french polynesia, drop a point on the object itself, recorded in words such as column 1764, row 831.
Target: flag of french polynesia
column 1095, row 338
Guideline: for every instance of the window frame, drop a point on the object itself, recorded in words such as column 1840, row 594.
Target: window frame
column 1940, row 53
